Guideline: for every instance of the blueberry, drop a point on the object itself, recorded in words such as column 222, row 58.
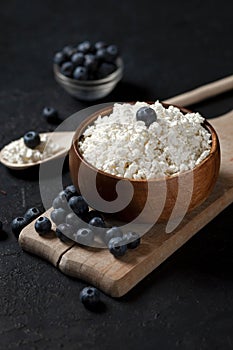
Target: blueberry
column 64, row 231
column 105, row 69
column 31, row 139
column 100, row 45
column 85, row 47
column 113, row 232
column 84, row 236
column 117, row 246
column 80, row 73
column 91, row 214
column 68, row 51
column 73, row 220
column 112, row 53
column 43, row 225
column 50, row 114
column 31, row 214
column 64, row 194
column 97, row 221
column 147, row 115
column 101, row 54
column 78, row 59
column 59, row 58
column 60, row 202
column 97, row 224
column 67, row 69
column 58, row 216
column 90, row 296
column 132, row 239
column 18, row 224
column 78, row 205
column 71, row 191
column 91, row 62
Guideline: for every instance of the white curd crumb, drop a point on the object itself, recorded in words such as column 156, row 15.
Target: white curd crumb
column 120, row 145
column 18, row 153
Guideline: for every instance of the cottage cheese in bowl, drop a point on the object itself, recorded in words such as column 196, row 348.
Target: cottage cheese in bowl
column 123, row 146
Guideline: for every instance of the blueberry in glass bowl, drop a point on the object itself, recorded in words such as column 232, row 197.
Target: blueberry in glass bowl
column 88, row 71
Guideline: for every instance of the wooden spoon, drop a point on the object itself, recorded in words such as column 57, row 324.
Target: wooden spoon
column 62, row 139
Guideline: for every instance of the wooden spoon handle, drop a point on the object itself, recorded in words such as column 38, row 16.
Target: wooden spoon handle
column 203, row 92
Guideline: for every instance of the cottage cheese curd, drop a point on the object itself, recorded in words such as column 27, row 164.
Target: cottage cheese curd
column 120, row 145
column 16, row 152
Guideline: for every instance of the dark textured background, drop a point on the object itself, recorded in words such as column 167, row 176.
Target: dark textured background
column 168, row 47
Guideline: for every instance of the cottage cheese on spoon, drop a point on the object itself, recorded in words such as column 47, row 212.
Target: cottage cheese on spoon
column 16, row 152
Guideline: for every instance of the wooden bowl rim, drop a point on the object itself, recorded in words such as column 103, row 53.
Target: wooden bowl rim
column 88, row 121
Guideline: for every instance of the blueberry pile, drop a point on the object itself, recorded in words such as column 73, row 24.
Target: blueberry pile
column 87, row 61
column 75, row 221
column 20, row 222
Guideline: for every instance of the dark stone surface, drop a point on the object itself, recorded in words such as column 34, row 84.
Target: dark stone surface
column 168, row 47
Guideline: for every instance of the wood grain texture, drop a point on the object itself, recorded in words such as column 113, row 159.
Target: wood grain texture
column 202, row 92
column 117, row 276
column 49, row 248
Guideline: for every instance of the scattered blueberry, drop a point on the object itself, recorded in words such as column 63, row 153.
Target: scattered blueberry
column 105, row 69
column 31, row 214
column 113, row 232
column 58, row 216
column 59, row 58
column 63, row 193
column 132, row 239
column 78, row 205
column 64, row 231
column 67, row 69
column 60, row 202
column 84, row 236
column 80, row 73
column 147, row 115
column 91, row 214
column 77, row 58
column 117, row 246
column 43, row 225
column 71, row 191
column 50, row 114
column 90, row 296
column 73, row 220
column 31, row 139
column 18, row 224
column 97, row 224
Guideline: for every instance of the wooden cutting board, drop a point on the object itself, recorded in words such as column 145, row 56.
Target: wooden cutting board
column 117, row 276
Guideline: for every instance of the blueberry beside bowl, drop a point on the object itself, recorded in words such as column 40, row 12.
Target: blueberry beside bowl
column 88, row 71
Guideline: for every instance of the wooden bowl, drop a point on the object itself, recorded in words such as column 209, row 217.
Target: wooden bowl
column 154, row 199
